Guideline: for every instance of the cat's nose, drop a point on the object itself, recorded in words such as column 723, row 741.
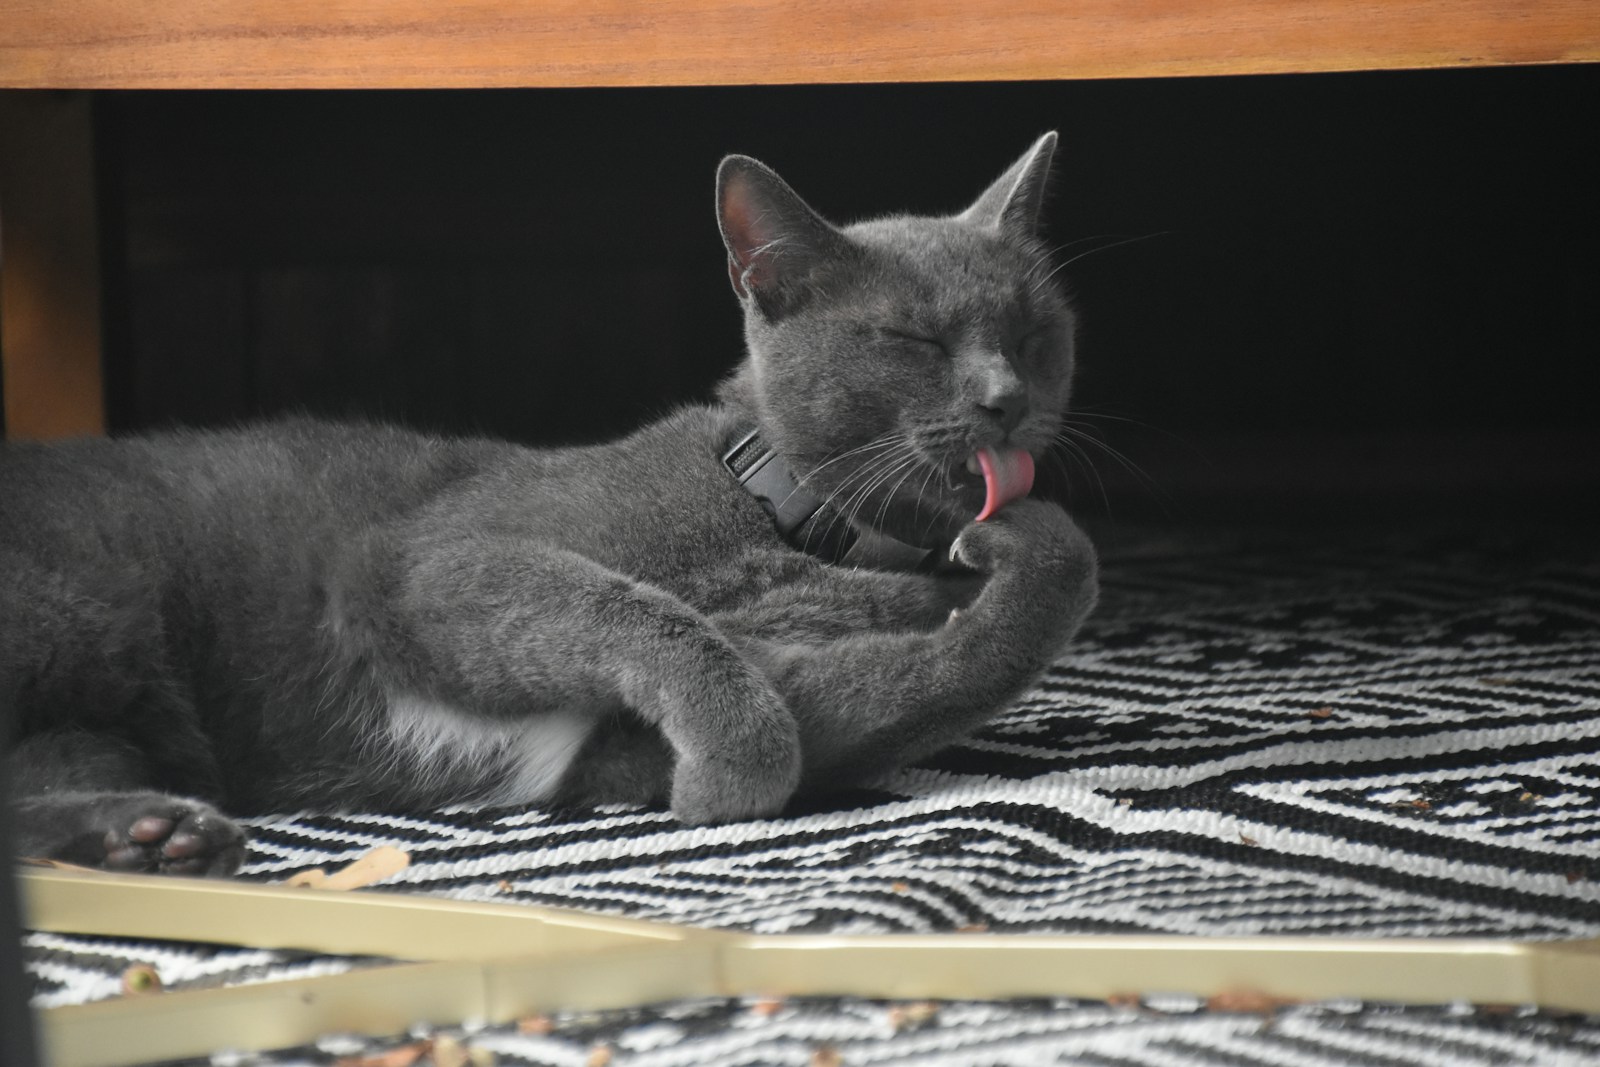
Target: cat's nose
column 1000, row 392
column 1005, row 408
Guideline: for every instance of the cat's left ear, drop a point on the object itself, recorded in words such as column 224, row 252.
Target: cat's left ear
column 1014, row 200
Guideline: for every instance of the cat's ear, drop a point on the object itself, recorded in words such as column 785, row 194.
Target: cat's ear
column 1014, row 200
column 774, row 239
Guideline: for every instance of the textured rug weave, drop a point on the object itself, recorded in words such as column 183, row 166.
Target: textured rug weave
column 1378, row 736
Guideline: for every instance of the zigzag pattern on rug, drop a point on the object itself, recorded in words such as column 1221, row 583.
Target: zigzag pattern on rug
column 1397, row 736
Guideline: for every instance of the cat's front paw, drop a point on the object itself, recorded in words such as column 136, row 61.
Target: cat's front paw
column 1029, row 533
column 168, row 835
column 705, row 793
column 749, row 781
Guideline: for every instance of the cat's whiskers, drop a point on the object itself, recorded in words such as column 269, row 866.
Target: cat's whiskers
column 1038, row 284
column 910, row 468
column 901, row 459
column 885, row 441
column 866, row 474
column 866, row 498
column 922, row 491
column 1081, row 434
column 1070, row 449
column 1075, row 437
column 805, row 480
column 871, row 476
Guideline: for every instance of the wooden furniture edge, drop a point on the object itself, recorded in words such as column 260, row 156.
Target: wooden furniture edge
column 100, row 44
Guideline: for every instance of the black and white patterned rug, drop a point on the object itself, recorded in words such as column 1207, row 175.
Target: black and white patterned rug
column 1373, row 735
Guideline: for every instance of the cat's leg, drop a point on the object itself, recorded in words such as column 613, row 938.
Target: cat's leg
column 82, row 694
column 872, row 701
column 827, row 603
column 754, row 593
column 513, row 627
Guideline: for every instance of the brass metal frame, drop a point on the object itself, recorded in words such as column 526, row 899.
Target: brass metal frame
column 500, row 962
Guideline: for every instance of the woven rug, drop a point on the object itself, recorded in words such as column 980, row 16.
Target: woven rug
column 1378, row 735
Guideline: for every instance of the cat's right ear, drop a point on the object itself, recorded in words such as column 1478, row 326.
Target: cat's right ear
column 1013, row 201
column 773, row 237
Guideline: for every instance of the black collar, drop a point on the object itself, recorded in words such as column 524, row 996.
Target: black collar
column 804, row 520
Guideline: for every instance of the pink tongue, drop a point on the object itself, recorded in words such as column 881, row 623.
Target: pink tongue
column 1006, row 476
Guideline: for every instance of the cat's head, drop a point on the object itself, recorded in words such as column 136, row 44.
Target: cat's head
column 884, row 355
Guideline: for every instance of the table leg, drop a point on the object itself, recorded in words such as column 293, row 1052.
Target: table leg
column 50, row 372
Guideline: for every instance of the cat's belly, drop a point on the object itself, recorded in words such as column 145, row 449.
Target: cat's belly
column 465, row 756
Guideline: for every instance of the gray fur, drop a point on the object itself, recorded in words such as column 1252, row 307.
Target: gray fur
column 306, row 614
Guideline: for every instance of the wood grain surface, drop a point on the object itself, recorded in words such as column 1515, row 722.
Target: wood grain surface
column 469, row 43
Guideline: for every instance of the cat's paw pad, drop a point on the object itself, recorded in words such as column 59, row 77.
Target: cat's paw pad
column 166, row 835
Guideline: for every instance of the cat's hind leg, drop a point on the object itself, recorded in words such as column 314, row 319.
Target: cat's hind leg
column 96, row 726
column 77, row 798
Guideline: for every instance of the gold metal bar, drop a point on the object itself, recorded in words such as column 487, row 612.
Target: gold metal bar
column 401, row 926
column 1563, row 976
column 265, row 1015
column 613, row 977
column 500, row 962
column 388, row 1000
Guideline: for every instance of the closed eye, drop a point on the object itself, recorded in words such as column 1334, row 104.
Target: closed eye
column 928, row 344
column 1032, row 346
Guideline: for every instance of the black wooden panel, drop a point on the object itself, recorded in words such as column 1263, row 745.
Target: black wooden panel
column 583, row 355
column 361, row 340
column 189, row 362
column 1326, row 271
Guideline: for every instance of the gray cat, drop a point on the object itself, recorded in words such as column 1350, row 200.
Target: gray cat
column 741, row 600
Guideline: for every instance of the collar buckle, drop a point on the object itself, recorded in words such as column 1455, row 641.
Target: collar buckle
column 767, row 478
